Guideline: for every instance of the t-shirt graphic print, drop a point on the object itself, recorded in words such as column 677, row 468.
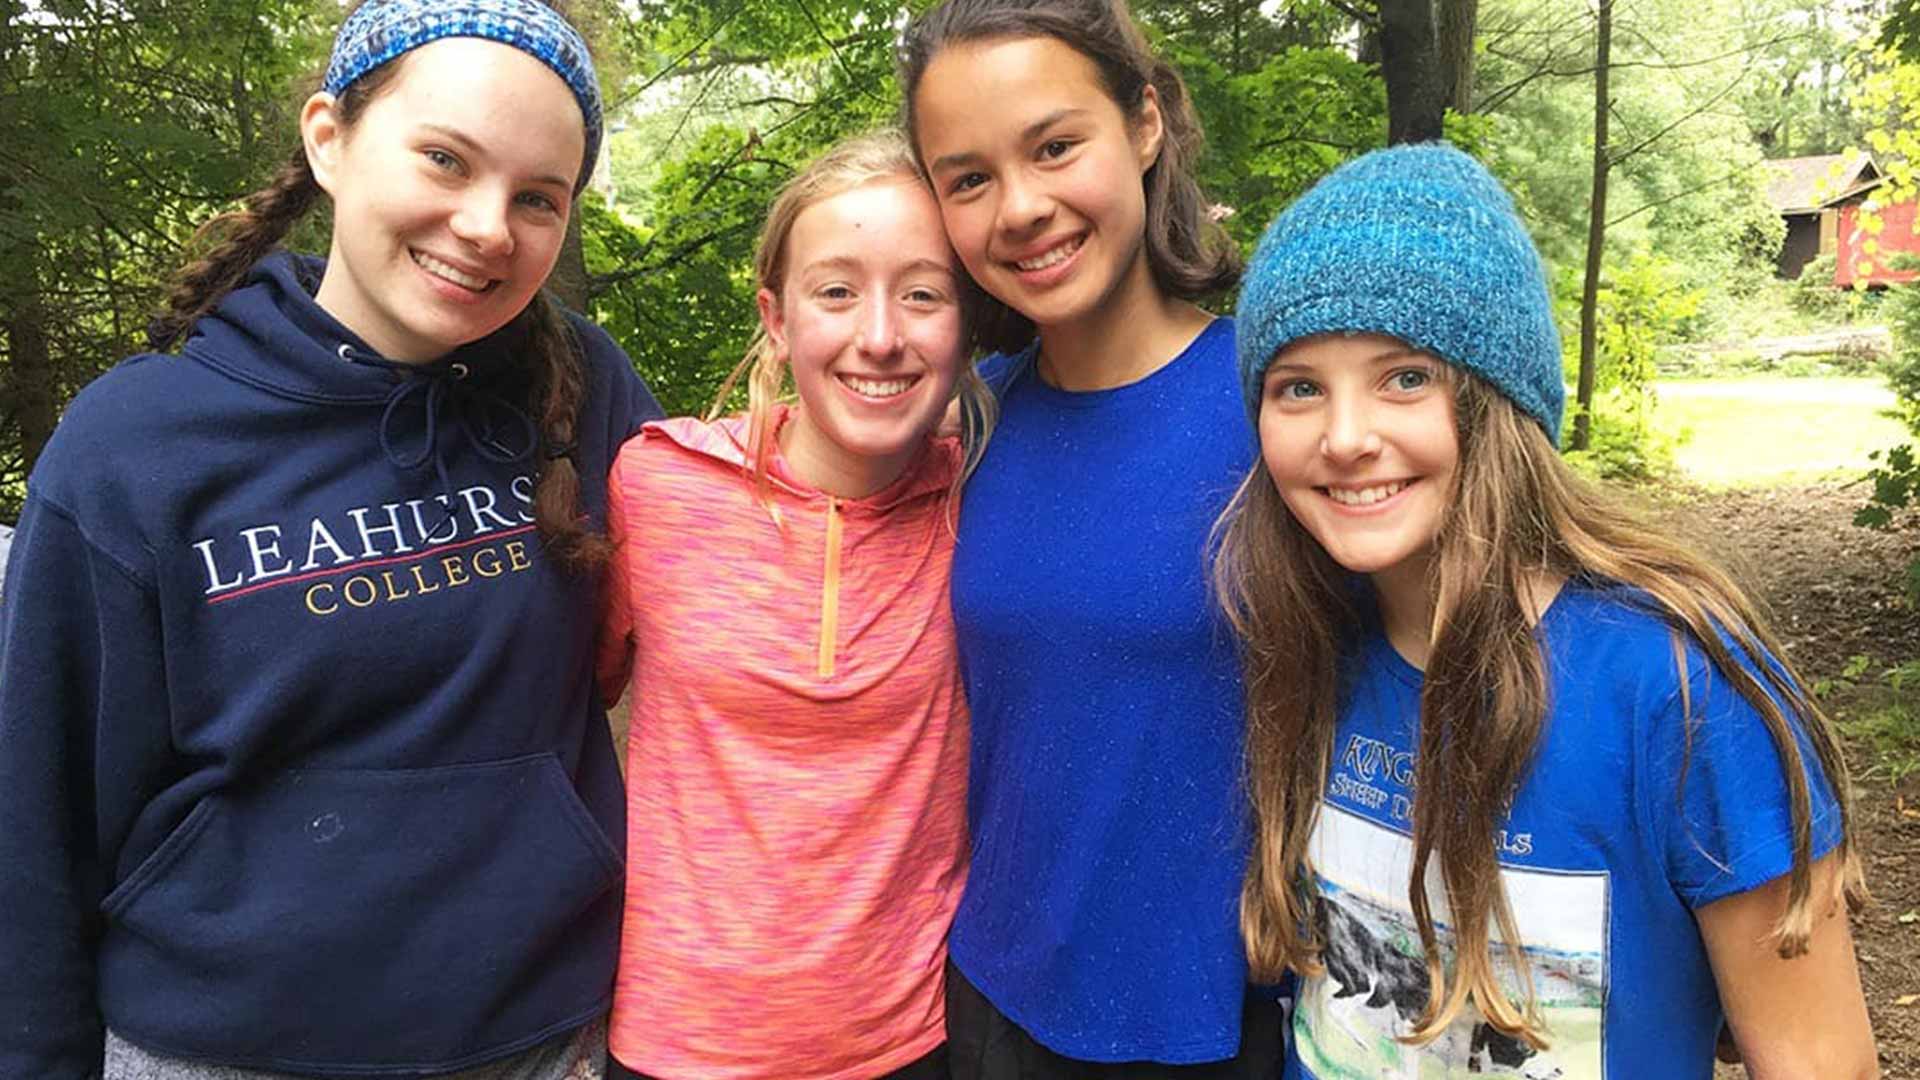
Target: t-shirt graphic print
column 1348, row 1023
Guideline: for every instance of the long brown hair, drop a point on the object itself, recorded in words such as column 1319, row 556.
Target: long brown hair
column 1190, row 255
column 1516, row 511
column 877, row 156
column 231, row 243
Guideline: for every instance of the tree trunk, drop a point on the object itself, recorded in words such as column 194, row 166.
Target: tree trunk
column 569, row 278
column 1455, row 20
column 30, row 398
column 1596, row 231
column 1416, row 101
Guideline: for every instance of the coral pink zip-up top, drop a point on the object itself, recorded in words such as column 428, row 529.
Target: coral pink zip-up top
column 796, row 763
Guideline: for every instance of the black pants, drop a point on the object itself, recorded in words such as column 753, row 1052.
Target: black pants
column 985, row 1045
column 931, row 1067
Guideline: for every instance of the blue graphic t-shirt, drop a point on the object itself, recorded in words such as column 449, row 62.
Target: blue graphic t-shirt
column 1605, row 855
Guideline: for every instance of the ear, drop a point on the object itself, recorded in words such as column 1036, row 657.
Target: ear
column 322, row 133
column 773, row 319
column 1149, row 128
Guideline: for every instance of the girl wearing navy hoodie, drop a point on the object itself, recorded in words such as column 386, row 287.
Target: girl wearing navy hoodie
column 301, row 767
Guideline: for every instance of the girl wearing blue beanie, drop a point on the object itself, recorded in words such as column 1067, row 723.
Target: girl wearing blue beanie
column 1097, row 934
column 1535, row 791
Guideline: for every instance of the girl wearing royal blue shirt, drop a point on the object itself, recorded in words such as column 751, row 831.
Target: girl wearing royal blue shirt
column 1097, row 935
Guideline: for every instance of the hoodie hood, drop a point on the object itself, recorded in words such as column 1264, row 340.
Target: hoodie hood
column 271, row 334
column 726, row 440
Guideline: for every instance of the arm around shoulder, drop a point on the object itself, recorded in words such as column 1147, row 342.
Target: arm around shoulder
column 613, row 664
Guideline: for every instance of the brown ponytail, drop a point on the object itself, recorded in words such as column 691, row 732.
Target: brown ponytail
column 240, row 238
column 560, row 386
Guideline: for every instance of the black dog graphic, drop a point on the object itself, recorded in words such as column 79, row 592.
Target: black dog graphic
column 1359, row 962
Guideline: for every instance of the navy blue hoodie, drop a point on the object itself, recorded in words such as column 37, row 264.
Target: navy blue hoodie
column 301, row 767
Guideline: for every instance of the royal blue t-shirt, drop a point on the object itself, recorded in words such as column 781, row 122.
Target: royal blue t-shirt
column 1108, row 834
column 1605, row 856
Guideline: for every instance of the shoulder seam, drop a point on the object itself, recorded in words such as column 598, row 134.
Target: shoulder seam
column 73, row 520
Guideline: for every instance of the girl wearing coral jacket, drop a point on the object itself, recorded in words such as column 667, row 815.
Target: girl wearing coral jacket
column 797, row 759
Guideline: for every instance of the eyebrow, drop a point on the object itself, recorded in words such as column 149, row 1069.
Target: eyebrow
column 1027, row 134
column 466, row 141
column 846, row 262
column 1382, row 357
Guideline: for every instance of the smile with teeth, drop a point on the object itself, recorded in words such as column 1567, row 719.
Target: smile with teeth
column 1366, row 496
column 1052, row 256
column 879, row 388
column 447, row 273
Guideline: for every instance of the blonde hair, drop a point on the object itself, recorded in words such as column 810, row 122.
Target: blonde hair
column 854, row 162
column 1515, row 511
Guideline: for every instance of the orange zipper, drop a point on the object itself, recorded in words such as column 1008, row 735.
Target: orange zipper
column 830, row 591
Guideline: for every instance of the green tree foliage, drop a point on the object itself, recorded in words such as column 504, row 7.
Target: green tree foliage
column 128, row 122
column 1643, row 305
column 1805, row 57
column 728, row 100
column 1889, row 94
column 1685, row 175
column 1683, row 169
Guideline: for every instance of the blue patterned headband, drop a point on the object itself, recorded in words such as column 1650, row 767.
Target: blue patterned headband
column 380, row 30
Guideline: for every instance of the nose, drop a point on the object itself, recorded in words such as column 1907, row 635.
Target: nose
column 1025, row 205
column 1350, row 433
column 880, row 329
column 481, row 221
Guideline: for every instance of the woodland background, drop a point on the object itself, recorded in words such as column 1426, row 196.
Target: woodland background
column 127, row 122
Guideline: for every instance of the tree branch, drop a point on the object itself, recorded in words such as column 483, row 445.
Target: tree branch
column 1694, row 190
column 1616, row 159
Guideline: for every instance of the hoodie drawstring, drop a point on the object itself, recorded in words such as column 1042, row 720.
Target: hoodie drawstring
column 443, row 382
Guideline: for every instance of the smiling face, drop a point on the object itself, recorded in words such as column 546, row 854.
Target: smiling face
column 1038, row 173
column 450, row 193
column 1358, row 436
column 868, row 316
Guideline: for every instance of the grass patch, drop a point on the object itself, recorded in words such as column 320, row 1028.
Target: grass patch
column 1766, row 430
column 1880, row 714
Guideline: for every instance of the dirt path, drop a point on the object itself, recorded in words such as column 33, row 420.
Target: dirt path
column 1833, row 591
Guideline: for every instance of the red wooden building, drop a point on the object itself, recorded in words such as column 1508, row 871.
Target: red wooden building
column 1821, row 198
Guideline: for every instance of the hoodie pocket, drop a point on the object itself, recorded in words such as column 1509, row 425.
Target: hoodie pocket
column 367, row 919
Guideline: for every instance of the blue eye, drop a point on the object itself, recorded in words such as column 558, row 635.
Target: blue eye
column 1295, row 390
column 1411, row 379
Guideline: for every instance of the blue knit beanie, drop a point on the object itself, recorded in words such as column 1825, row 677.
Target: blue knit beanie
column 380, row 30
column 1418, row 243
